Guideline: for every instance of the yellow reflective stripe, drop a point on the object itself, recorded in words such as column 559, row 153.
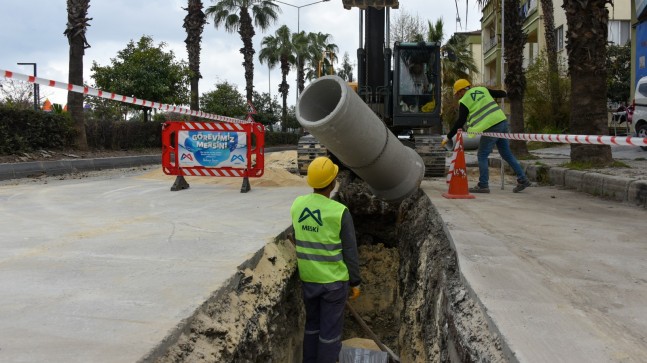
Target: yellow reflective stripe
column 319, row 245
column 473, row 121
column 319, row 258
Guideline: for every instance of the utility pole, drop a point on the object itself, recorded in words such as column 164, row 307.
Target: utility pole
column 36, row 86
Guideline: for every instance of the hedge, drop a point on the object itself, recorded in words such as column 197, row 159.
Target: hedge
column 28, row 130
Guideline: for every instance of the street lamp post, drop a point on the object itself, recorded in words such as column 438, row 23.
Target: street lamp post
column 36, row 86
column 298, row 7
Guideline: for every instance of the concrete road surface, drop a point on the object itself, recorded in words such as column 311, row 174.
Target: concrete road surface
column 101, row 270
column 562, row 275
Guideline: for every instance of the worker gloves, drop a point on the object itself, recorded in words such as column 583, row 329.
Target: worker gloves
column 354, row 292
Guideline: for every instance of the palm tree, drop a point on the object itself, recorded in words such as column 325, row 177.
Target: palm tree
column 461, row 67
column 194, row 24
column 77, row 23
column 586, row 44
column 301, row 42
column 235, row 16
column 321, row 54
column 515, row 79
column 435, row 33
column 551, row 52
column 279, row 49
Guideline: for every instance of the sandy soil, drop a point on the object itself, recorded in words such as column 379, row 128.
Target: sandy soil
column 278, row 167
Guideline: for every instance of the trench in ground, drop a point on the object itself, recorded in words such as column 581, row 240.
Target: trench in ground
column 412, row 295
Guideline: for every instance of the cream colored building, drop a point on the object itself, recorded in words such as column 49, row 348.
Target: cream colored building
column 619, row 33
column 475, row 44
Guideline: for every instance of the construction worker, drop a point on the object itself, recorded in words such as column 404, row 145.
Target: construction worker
column 481, row 113
column 327, row 260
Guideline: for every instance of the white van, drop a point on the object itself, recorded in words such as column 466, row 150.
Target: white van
column 639, row 117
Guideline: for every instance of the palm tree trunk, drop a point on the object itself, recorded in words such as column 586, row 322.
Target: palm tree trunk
column 515, row 79
column 301, row 74
column 587, row 49
column 194, row 25
column 77, row 22
column 551, row 52
column 284, row 90
column 246, row 34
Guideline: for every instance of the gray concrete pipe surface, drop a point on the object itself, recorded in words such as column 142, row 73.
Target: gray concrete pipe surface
column 331, row 111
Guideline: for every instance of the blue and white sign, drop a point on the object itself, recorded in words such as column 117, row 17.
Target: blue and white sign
column 212, row 149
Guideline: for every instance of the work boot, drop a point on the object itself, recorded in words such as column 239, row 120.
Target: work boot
column 479, row 189
column 521, row 186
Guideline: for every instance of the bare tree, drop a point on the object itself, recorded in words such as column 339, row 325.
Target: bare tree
column 407, row 28
column 16, row 94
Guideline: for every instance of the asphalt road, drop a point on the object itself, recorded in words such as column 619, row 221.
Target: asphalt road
column 101, row 269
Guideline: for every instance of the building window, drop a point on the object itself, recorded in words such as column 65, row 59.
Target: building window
column 619, row 32
column 559, row 37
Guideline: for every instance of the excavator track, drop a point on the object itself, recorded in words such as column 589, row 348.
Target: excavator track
column 308, row 149
column 433, row 155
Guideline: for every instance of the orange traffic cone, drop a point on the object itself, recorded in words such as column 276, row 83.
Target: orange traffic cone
column 457, row 174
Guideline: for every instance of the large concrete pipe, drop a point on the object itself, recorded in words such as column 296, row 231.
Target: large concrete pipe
column 331, row 111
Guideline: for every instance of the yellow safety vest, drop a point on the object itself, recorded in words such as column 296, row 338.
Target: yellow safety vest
column 484, row 112
column 317, row 225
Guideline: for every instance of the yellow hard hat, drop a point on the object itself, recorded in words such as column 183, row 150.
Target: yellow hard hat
column 460, row 84
column 321, row 172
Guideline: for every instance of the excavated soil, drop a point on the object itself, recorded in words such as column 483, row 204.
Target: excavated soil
column 412, row 294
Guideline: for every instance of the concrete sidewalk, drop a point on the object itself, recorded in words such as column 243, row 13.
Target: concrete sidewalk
column 622, row 184
column 102, row 270
column 561, row 275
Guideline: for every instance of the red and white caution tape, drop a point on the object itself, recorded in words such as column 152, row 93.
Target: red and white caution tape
column 569, row 139
column 115, row 97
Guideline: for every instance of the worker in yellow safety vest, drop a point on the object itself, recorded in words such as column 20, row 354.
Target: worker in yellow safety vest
column 327, row 260
column 479, row 112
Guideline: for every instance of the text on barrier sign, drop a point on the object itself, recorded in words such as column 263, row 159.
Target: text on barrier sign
column 213, row 149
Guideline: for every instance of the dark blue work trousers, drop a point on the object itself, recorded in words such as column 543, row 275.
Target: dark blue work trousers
column 324, row 321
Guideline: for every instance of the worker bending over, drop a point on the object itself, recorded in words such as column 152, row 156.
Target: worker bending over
column 327, row 260
column 481, row 113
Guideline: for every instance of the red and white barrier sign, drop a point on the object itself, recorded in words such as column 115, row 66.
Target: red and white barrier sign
column 568, row 139
column 213, row 149
column 116, row 97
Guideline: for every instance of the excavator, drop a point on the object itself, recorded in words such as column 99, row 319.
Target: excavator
column 401, row 86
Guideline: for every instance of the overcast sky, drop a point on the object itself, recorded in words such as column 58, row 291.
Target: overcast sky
column 32, row 31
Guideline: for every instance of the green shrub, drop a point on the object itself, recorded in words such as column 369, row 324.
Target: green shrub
column 538, row 114
column 123, row 135
column 25, row 130
column 281, row 138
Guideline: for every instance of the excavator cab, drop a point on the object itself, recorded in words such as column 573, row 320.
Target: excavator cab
column 416, row 85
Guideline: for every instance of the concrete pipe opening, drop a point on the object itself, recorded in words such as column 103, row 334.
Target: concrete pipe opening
column 412, row 295
column 342, row 122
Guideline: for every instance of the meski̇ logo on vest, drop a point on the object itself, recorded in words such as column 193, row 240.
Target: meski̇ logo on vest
column 307, row 213
column 216, row 149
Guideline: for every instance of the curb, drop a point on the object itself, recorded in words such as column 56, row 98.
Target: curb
column 616, row 188
column 38, row 168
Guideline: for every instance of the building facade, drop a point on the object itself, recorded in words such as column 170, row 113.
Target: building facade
column 620, row 16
